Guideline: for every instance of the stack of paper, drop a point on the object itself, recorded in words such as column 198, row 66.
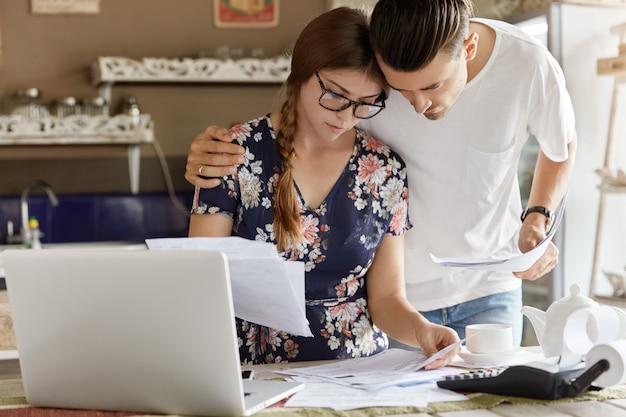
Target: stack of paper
column 393, row 367
column 394, row 377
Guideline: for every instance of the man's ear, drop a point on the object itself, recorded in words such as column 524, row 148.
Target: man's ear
column 471, row 46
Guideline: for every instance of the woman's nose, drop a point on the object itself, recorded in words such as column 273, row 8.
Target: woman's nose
column 346, row 114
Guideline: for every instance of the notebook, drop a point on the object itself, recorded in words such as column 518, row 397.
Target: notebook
column 131, row 331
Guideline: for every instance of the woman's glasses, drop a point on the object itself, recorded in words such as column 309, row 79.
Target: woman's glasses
column 336, row 102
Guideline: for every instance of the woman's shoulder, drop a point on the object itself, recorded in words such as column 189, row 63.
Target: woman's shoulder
column 255, row 129
column 369, row 144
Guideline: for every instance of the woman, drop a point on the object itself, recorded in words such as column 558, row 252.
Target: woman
column 329, row 195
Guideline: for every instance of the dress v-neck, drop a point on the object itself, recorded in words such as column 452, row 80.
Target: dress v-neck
column 304, row 204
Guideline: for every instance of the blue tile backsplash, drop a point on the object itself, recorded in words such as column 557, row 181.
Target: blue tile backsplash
column 101, row 217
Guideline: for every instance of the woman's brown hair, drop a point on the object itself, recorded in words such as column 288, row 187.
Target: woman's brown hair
column 337, row 39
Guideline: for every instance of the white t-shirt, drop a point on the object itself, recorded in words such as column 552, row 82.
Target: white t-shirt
column 462, row 169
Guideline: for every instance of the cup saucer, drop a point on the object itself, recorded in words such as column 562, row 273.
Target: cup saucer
column 490, row 359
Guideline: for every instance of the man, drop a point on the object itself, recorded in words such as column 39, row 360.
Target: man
column 465, row 96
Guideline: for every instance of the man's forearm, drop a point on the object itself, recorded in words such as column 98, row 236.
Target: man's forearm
column 551, row 179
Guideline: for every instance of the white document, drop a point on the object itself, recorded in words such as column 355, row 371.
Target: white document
column 393, row 367
column 513, row 264
column 267, row 290
column 326, row 395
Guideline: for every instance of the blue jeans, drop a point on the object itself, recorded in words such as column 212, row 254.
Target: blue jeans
column 503, row 307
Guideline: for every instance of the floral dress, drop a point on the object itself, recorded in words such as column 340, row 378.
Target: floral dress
column 340, row 237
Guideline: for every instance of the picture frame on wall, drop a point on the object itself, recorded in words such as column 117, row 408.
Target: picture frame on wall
column 246, row 13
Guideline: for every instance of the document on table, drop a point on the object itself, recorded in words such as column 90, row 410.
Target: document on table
column 393, row 367
column 267, row 290
column 512, row 264
column 391, row 378
column 325, row 395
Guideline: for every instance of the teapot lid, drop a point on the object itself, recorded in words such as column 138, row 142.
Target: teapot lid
column 576, row 298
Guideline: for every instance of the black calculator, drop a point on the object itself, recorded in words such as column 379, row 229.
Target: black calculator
column 526, row 381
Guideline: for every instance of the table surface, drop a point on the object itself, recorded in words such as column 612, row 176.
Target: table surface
column 11, row 386
column 564, row 408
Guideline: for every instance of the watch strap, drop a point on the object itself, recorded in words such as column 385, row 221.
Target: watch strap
column 539, row 209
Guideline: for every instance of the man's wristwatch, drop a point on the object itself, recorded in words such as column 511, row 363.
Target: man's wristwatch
column 538, row 209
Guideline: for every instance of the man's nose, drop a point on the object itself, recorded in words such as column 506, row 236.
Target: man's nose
column 420, row 102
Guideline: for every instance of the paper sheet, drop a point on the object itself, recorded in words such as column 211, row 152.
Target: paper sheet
column 588, row 327
column 267, row 290
column 326, row 395
column 393, row 367
column 513, row 264
column 390, row 378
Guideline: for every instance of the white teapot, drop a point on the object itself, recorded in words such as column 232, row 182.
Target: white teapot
column 549, row 326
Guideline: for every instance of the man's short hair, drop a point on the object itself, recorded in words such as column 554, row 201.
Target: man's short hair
column 408, row 34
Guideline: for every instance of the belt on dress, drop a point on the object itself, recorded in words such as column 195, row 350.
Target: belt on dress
column 330, row 302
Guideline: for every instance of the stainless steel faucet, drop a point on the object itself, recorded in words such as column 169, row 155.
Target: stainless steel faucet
column 26, row 232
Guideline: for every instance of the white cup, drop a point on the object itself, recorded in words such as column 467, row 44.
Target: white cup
column 489, row 338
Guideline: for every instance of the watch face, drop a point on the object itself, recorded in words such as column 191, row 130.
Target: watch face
column 549, row 222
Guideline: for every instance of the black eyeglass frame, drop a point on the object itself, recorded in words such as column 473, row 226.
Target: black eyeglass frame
column 349, row 103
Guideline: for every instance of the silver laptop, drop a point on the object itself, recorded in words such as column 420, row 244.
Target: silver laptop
column 131, row 331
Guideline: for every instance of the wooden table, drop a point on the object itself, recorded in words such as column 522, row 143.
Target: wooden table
column 480, row 405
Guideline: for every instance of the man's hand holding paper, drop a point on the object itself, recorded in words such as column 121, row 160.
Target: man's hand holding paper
column 527, row 265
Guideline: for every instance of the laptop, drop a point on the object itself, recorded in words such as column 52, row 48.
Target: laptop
column 146, row 331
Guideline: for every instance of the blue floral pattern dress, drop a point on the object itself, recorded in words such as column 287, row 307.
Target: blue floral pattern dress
column 368, row 202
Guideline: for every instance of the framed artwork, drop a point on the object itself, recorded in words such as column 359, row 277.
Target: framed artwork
column 246, row 13
column 65, row 6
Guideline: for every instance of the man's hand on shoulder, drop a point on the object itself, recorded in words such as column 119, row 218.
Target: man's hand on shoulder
column 212, row 155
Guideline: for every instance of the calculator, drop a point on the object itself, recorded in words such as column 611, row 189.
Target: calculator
column 526, row 381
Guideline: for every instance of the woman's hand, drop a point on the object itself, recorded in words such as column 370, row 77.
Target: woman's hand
column 432, row 338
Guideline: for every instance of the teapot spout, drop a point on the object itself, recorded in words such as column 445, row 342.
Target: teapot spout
column 537, row 319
